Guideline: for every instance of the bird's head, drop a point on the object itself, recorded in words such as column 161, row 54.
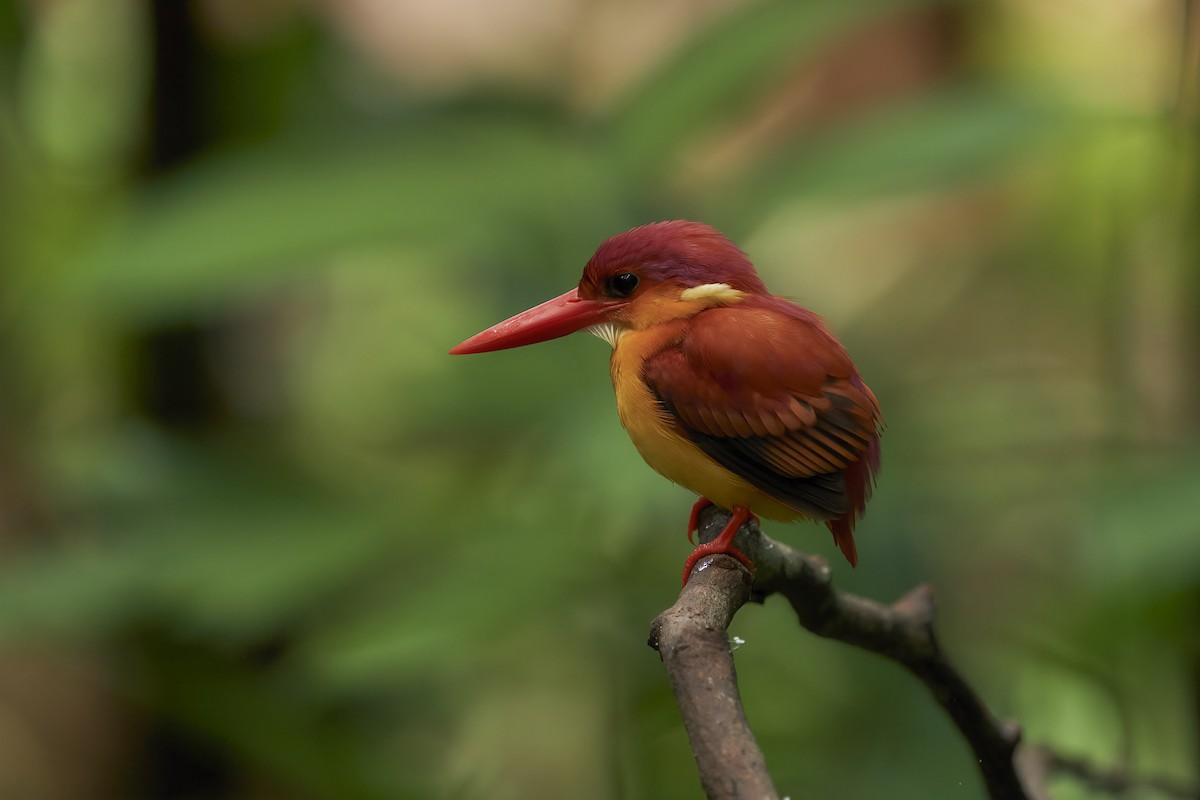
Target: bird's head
column 642, row 277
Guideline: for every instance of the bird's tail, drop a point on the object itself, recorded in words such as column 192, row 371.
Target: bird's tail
column 860, row 480
column 843, row 534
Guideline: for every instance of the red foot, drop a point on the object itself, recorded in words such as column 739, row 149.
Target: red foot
column 724, row 541
column 694, row 519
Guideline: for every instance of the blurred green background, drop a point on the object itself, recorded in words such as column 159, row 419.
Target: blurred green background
column 261, row 537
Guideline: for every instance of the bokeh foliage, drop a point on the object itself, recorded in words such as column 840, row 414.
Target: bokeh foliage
column 263, row 538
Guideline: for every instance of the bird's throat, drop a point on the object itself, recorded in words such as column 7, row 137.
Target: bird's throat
column 610, row 332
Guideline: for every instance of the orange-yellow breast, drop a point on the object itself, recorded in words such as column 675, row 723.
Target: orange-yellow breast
column 656, row 439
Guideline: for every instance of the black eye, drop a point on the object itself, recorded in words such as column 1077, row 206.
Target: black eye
column 621, row 285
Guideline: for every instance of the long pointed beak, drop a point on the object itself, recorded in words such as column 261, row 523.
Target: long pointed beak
column 564, row 314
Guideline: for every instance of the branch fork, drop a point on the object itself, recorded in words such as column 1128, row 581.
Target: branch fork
column 692, row 639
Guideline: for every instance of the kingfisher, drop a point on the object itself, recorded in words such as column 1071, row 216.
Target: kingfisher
column 743, row 397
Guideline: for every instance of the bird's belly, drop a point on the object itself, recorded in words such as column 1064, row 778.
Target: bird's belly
column 678, row 459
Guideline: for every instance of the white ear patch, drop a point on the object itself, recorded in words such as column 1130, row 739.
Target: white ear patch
column 711, row 293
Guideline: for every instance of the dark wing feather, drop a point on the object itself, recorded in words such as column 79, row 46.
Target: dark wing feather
column 764, row 390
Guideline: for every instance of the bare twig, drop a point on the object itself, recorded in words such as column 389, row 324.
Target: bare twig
column 903, row 632
column 1039, row 763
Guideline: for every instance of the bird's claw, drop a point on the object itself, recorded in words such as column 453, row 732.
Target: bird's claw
column 708, row 549
column 724, row 541
column 694, row 518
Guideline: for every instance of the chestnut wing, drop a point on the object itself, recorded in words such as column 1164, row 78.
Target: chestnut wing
column 770, row 395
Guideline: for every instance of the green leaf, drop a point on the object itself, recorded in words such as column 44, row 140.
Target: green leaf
column 937, row 140
column 236, row 223
column 727, row 67
column 227, row 548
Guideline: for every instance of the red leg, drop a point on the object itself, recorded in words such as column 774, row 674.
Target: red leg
column 694, row 519
column 723, row 543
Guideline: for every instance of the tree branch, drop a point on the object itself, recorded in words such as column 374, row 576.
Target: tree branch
column 1039, row 763
column 691, row 637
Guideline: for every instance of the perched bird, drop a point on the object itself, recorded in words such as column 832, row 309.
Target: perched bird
column 736, row 394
